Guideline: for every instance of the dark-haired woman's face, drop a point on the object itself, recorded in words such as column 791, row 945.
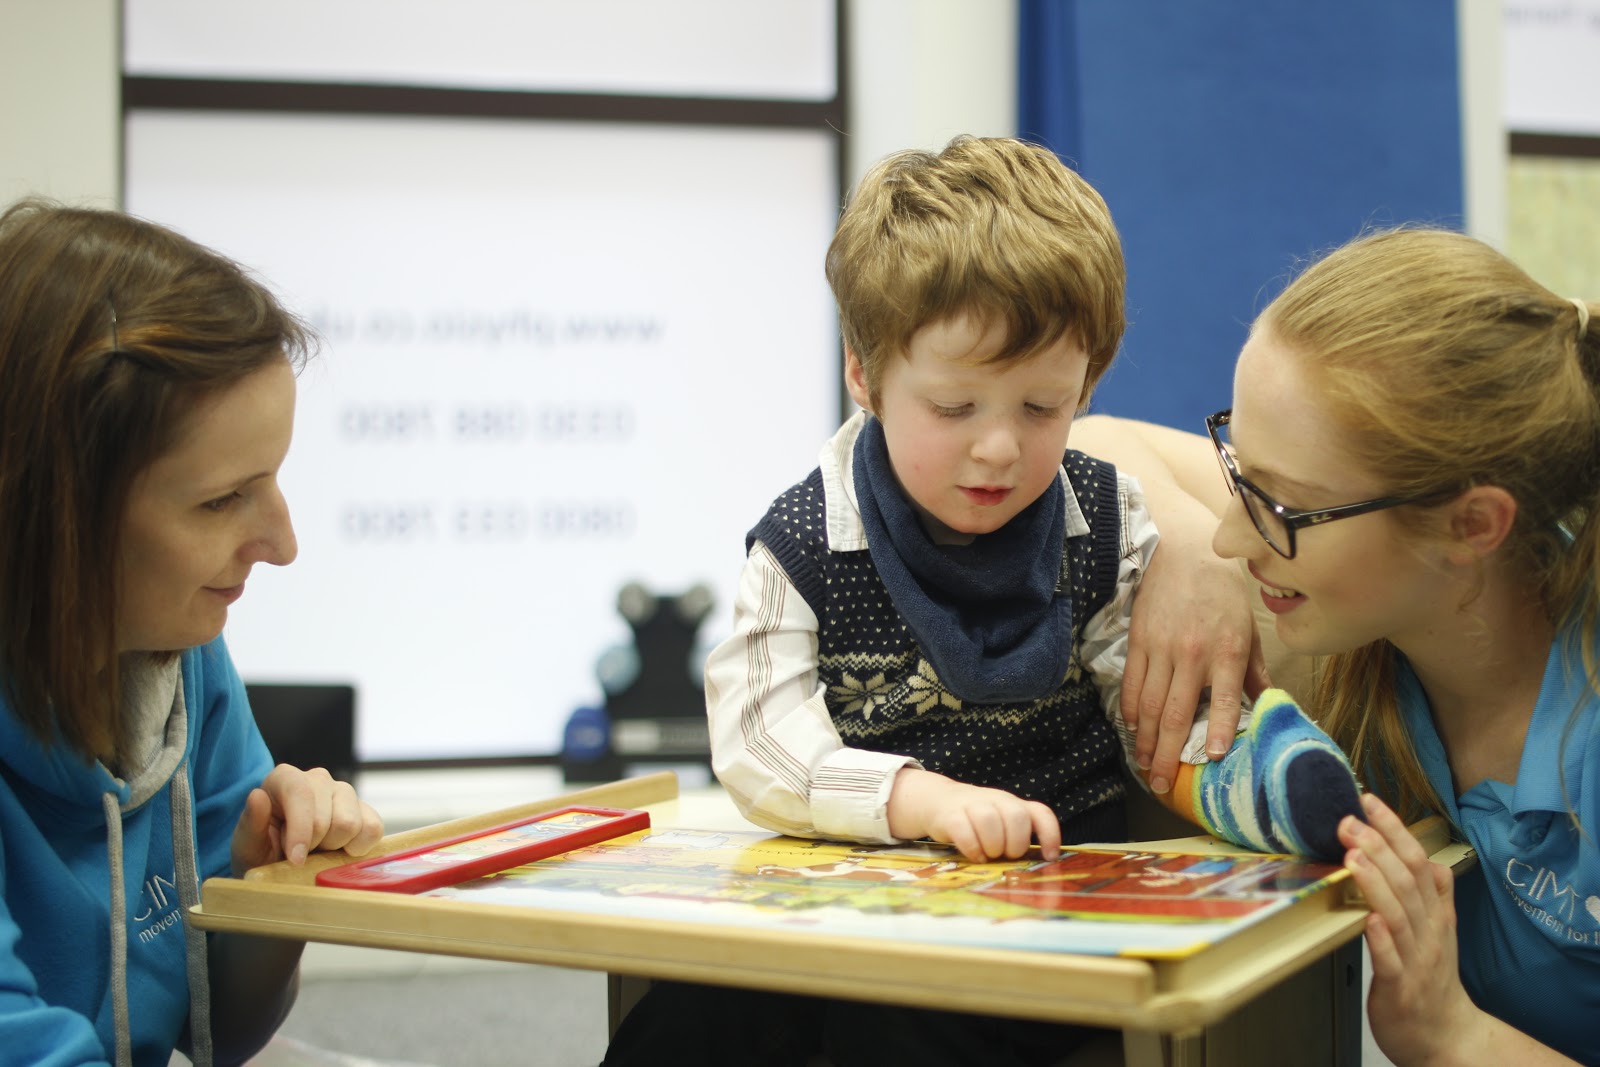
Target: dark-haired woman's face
column 204, row 513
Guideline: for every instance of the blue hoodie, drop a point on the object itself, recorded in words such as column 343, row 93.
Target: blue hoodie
column 97, row 874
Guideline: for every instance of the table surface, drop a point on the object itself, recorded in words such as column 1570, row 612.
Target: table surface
column 1172, row 996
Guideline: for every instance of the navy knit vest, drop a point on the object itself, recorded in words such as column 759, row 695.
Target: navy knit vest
column 883, row 694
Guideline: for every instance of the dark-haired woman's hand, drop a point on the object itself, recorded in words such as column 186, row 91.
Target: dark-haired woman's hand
column 293, row 813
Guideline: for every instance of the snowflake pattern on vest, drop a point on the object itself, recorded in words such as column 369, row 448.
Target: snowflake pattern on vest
column 884, row 695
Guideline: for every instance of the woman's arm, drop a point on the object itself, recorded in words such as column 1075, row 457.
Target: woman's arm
column 291, row 814
column 248, row 813
column 1159, row 457
column 1193, row 627
column 254, row 981
column 31, row 1030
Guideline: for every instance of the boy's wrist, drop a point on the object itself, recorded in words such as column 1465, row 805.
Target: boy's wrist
column 908, row 808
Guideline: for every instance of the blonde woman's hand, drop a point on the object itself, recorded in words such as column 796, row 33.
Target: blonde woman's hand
column 1192, row 630
column 1417, row 1001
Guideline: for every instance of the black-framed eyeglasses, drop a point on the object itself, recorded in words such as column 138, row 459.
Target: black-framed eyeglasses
column 1277, row 522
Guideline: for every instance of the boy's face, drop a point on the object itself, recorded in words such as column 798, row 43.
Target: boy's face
column 973, row 443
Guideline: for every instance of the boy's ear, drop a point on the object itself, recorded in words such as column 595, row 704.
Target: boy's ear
column 855, row 380
column 1480, row 520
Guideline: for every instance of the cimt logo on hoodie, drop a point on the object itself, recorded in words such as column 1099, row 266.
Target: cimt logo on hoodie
column 160, row 893
column 1540, row 894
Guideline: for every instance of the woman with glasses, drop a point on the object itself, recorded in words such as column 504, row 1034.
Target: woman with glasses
column 147, row 393
column 1411, row 473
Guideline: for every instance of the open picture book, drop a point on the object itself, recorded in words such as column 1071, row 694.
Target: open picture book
column 1091, row 900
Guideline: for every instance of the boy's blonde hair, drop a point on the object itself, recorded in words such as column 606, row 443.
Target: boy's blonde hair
column 1449, row 367
column 990, row 227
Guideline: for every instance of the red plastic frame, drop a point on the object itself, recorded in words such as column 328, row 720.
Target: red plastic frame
column 446, row 869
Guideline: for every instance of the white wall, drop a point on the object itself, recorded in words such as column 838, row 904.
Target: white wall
column 921, row 71
column 59, row 101
column 1483, row 133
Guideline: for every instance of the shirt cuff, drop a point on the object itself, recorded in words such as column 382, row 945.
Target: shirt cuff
column 850, row 795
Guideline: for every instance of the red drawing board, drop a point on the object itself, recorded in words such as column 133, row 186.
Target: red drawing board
column 485, row 852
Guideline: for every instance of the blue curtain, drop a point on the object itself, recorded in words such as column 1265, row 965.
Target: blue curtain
column 1233, row 139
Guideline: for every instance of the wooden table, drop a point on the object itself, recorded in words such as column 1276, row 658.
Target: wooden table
column 1285, row 989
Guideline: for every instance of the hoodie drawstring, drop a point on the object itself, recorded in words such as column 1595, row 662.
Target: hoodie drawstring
column 119, row 930
column 187, row 877
column 188, row 880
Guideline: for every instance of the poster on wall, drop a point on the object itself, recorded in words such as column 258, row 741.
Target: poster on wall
column 1552, row 82
column 1553, row 208
column 557, row 357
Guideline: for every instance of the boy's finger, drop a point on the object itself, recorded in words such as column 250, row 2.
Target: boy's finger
column 257, row 811
column 254, row 837
column 1019, row 832
column 965, row 840
column 348, row 818
column 1046, row 830
column 989, row 826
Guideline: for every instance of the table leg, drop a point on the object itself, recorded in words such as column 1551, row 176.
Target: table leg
column 622, row 993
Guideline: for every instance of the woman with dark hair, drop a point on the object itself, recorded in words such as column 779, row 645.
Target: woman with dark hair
column 146, row 404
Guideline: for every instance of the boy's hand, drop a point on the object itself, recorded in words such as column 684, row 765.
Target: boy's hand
column 1192, row 629
column 293, row 813
column 982, row 823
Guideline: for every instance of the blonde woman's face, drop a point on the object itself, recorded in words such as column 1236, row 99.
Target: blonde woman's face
column 204, row 514
column 1352, row 581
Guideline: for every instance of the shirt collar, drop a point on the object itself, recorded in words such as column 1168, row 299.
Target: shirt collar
column 1558, row 736
column 1559, row 733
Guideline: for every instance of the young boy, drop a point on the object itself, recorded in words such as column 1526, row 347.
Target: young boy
column 930, row 629
column 925, row 640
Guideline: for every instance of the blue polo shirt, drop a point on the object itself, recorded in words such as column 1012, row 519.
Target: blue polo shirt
column 1528, row 917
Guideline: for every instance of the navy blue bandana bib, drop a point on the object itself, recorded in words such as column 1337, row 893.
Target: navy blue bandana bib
column 990, row 616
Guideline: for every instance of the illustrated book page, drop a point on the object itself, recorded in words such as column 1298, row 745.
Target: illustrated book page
column 1096, row 901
